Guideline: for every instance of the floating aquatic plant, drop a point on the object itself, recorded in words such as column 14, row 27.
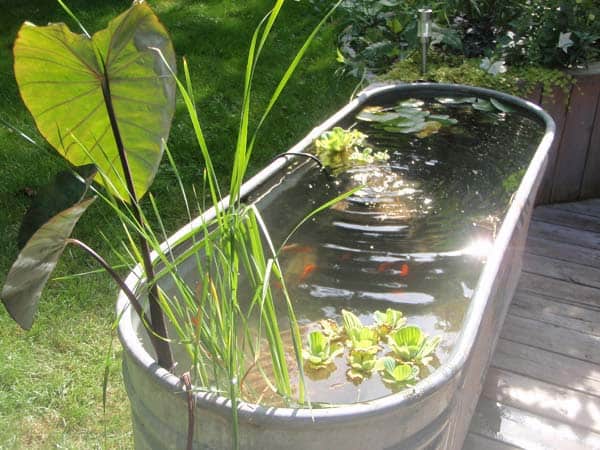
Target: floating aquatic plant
column 480, row 104
column 410, row 344
column 320, row 352
column 397, row 374
column 363, row 343
column 351, row 321
column 406, row 117
column 388, row 321
column 364, row 337
column 340, row 149
column 331, row 329
column 362, row 360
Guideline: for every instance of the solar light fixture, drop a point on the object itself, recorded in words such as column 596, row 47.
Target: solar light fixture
column 424, row 34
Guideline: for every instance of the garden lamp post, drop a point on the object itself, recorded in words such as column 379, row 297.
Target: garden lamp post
column 424, row 33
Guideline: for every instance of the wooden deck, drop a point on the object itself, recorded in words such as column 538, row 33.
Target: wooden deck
column 542, row 390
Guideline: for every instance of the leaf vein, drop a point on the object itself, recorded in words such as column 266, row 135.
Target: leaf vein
column 83, row 61
column 135, row 100
column 77, row 97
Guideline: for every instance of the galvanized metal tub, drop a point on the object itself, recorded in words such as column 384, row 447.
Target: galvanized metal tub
column 434, row 414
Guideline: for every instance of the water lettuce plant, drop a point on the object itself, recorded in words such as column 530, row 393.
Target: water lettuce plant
column 410, row 344
column 361, row 361
column 363, row 344
column 320, row 352
column 331, row 329
column 388, row 321
column 340, row 149
column 397, row 374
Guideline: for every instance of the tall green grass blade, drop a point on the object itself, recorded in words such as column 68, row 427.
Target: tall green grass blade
column 74, row 17
column 286, row 77
column 316, row 211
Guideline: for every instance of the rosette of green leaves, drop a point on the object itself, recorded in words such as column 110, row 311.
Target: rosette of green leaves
column 331, row 329
column 363, row 337
column 362, row 360
column 340, row 149
column 397, row 374
column 388, row 321
column 410, row 344
column 320, row 353
column 350, row 321
column 358, row 334
column 363, row 343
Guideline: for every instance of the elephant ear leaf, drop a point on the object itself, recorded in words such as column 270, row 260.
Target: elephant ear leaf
column 92, row 97
column 46, row 228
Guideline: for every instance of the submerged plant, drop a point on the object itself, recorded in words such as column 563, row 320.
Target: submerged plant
column 320, row 352
column 341, row 149
column 410, row 344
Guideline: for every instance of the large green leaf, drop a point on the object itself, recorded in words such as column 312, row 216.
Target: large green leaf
column 46, row 236
column 70, row 82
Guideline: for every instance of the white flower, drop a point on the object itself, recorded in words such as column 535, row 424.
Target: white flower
column 564, row 41
column 493, row 67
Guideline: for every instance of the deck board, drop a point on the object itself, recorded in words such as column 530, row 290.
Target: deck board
column 542, row 390
column 545, row 309
column 547, row 366
column 521, row 428
column 566, row 234
column 578, row 274
column 564, row 291
column 477, row 442
column 562, row 251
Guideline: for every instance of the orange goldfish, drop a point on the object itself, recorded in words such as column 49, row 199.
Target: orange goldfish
column 308, row 269
column 387, row 265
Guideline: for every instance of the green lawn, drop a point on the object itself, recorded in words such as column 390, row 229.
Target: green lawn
column 51, row 377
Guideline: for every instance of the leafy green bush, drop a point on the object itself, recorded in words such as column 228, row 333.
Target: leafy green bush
column 444, row 68
column 554, row 33
column 376, row 32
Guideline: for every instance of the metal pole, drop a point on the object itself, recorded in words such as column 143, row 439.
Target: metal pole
column 424, row 33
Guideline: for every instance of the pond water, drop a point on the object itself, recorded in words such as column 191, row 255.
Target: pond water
column 415, row 237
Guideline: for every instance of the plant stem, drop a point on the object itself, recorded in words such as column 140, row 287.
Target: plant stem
column 163, row 350
column 187, row 386
column 156, row 342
